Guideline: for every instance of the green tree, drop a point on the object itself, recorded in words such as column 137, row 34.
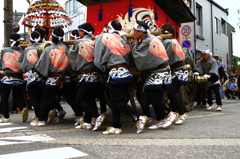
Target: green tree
column 235, row 61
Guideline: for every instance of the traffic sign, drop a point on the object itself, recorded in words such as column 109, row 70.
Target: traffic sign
column 186, row 37
column 187, row 44
column 186, row 30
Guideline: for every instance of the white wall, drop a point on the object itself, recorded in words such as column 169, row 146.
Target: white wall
column 206, row 26
column 78, row 16
column 216, row 43
column 221, row 42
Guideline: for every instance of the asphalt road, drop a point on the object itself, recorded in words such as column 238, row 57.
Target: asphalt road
column 206, row 134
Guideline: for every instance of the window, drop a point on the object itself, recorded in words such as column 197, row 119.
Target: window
column 199, row 24
column 223, row 26
column 70, row 6
column 67, row 7
column 82, row 18
column 75, row 5
column 198, row 14
column 216, row 25
column 67, row 35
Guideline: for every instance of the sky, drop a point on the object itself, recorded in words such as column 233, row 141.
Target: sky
column 233, row 18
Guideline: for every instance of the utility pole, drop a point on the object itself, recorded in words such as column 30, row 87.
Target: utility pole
column 238, row 24
column 8, row 21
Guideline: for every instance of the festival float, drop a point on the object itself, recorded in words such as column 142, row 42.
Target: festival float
column 48, row 14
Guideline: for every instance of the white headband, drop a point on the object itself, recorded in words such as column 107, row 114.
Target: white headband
column 112, row 30
column 88, row 32
column 110, row 25
column 35, row 40
column 14, row 41
column 206, row 51
column 59, row 37
column 140, row 28
column 74, row 36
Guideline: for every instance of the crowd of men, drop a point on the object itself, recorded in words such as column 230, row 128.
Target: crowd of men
column 226, row 87
column 91, row 68
column 231, row 84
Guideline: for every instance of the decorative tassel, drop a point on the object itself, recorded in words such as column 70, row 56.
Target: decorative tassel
column 100, row 16
column 176, row 32
column 166, row 19
column 130, row 12
column 156, row 15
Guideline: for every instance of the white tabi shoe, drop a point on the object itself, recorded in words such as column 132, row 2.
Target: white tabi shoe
column 210, row 107
column 79, row 121
column 34, row 121
column 24, row 113
column 112, row 130
column 172, row 117
column 157, row 126
column 93, row 121
column 51, row 115
column 56, row 120
column 219, row 108
column 181, row 119
column 40, row 123
column 141, row 123
column 86, row 126
column 99, row 122
column 5, row 120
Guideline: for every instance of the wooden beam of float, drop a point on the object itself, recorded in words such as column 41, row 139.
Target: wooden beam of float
column 129, row 36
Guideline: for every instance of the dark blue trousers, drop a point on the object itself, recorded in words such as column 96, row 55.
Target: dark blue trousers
column 215, row 89
column 49, row 97
column 175, row 103
column 118, row 97
column 154, row 97
column 36, row 96
column 85, row 99
column 17, row 97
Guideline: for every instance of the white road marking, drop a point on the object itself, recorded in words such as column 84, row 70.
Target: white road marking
column 24, row 139
column 6, row 124
column 3, row 130
column 3, row 143
column 59, row 153
column 33, row 138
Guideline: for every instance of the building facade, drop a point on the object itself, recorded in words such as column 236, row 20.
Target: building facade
column 76, row 12
column 210, row 30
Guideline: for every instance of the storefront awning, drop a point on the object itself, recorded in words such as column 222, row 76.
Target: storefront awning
column 177, row 10
column 92, row 2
